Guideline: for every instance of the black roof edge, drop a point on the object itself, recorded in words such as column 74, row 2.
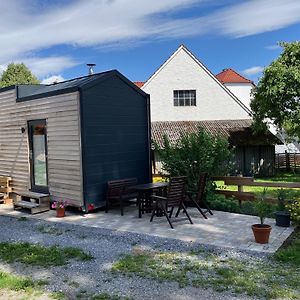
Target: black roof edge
column 130, row 83
column 48, row 94
column 7, row 88
column 112, row 73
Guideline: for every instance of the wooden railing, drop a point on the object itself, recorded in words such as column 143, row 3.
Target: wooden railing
column 241, row 182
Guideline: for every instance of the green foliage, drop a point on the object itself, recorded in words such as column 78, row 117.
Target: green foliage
column 35, row 254
column 261, row 207
column 290, row 253
column 219, row 202
column 195, row 153
column 277, row 94
column 8, row 281
column 294, row 209
column 17, row 74
column 281, row 194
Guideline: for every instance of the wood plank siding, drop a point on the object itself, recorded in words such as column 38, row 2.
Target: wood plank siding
column 63, row 138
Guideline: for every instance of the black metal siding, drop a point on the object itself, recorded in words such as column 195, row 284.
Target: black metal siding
column 115, row 137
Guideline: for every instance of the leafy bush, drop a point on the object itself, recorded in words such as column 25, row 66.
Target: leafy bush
column 294, row 209
column 195, row 153
column 219, row 202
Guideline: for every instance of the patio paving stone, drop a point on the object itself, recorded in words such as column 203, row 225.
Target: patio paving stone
column 226, row 230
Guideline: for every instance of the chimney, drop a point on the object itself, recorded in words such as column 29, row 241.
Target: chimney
column 90, row 66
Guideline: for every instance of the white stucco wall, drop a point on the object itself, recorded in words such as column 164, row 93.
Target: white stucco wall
column 182, row 72
column 242, row 91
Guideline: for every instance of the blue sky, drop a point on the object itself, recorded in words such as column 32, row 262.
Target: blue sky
column 57, row 38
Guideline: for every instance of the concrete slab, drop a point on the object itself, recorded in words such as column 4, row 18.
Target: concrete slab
column 223, row 229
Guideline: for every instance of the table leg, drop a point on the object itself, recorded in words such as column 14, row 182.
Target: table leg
column 139, row 199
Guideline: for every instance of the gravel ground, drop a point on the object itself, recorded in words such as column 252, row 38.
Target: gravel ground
column 106, row 246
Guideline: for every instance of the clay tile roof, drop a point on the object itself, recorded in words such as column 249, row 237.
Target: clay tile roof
column 231, row 76
column 139, row 83
column 238, row 132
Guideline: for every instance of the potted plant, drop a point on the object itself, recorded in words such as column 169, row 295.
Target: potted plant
column 282, row 216
column 60, row 206
column 261, row 231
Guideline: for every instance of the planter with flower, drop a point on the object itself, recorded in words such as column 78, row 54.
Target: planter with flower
column 60, row 206
column 282, row 216
column 261, row 231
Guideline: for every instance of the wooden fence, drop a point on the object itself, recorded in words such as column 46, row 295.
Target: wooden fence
column 240, row 182
column 287, row 161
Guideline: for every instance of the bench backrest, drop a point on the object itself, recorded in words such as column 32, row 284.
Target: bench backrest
column 121, row 186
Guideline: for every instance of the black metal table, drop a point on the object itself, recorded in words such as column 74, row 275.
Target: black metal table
column 144, row 195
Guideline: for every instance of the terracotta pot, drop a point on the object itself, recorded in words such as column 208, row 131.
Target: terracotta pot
column 261, row 233
column 60, row 212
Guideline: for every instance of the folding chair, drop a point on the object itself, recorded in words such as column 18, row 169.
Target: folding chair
column 174, row 199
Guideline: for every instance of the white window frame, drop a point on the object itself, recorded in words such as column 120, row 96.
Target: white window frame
column 184, row 98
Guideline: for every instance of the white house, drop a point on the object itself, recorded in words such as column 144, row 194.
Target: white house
column 183, row 89
column 185, row 95
column 240, row 86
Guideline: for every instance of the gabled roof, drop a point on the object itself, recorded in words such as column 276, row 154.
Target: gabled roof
column 34, row 91
column 201, row 65
column 238, row 132
column 231, row 76
column 139, row 83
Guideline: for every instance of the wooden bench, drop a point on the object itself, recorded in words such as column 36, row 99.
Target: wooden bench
column 5, row 189
column 35, row 202
column 120, row 191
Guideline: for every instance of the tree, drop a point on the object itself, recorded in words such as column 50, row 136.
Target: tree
column 277, row 96
column 195, row 153
column 17, row 74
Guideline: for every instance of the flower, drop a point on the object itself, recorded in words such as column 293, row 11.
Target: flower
column 59, row 204
column 91, row 207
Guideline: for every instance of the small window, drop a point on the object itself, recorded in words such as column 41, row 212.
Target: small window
column 184, row 97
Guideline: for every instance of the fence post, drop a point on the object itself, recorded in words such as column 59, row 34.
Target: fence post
column 287, row 161
column 240, row 189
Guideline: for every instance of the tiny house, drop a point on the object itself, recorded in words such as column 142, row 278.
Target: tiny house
column 68, row 139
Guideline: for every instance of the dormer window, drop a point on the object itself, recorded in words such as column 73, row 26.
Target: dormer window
column 184, row 97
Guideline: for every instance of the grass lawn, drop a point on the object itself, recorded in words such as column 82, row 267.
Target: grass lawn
column 35, row 254
column 277, row 277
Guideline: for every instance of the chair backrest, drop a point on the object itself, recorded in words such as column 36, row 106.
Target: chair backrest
column 176, row 190
column 201, row 187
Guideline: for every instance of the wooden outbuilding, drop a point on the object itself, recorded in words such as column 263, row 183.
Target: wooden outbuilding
column 68, row 139
column 254, row 153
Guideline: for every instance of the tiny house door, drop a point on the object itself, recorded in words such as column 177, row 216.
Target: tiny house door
column 37, row 131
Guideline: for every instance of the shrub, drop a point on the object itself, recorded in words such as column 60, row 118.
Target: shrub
column 195, row 153
column 218, row 202
column 294, row 209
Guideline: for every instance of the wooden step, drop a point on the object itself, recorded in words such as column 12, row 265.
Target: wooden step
column 35, row 202
column 26, row 204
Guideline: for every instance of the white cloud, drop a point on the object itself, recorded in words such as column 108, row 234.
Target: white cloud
column 83, row 23
column 273, row 47
column 52, row 79
column 253, row 70
column 112, row 23
column 44, row 66
column 257, row 16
